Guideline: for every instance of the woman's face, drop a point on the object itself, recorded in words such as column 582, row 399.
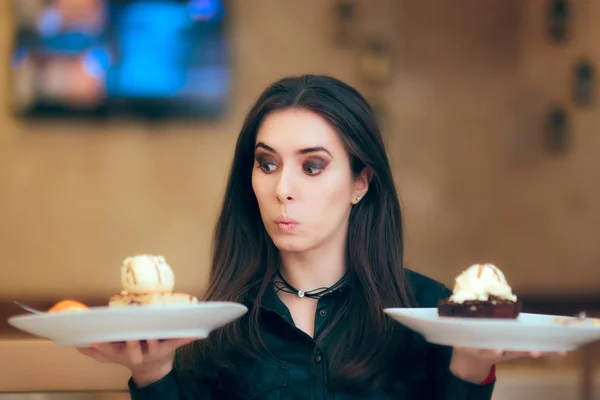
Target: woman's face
column 303, row 181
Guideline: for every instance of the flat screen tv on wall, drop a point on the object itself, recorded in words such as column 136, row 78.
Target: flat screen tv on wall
column 133, row 58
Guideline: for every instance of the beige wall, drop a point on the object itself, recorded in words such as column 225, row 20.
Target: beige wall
column 464, row 128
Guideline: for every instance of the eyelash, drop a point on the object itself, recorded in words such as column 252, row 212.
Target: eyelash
column 305, row 167
column 263, row 165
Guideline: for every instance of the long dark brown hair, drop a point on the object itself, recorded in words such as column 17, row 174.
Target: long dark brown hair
column 245, row 258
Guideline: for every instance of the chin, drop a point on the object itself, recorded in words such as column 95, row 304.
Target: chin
column 290, row 244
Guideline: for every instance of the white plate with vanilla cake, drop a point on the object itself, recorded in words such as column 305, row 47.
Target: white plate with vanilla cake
column 147, row 308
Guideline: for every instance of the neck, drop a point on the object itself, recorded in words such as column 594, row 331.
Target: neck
column 314, row 269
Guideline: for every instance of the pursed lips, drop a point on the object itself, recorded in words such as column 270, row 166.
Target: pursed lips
column 286, row 224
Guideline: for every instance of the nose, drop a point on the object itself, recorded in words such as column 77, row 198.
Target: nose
column 285, row 187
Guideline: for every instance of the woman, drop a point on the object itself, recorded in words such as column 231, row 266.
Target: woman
column 310, row 238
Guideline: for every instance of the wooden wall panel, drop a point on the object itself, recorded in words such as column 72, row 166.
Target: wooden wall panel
column 465, row 108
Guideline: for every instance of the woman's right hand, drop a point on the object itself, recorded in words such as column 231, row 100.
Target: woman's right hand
column 149, row 361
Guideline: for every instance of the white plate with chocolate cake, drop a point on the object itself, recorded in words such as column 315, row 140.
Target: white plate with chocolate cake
column 146, row 308
column 482, row 312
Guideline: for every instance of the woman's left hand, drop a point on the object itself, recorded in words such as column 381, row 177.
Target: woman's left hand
column 475, row 365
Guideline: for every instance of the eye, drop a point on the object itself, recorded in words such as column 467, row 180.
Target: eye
column 267, row 167
column 265, row 162
column 313, row 168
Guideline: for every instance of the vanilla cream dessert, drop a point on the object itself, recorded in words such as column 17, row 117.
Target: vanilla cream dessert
column 125, row 299
column 147, row 273
column 148, row 280
column 481, row 291
column 480, row 282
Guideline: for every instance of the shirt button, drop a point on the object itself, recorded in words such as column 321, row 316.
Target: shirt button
column 318, row 358
column 322, row 313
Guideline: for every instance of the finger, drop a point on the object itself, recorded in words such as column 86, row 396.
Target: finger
column 134, row 351
column 494, row 354
column 153, row 347
column 173, row 344
column 535, row 354
column 108, row 349
column 511, row 355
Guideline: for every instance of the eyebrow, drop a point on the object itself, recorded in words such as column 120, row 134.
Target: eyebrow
column 307, row 150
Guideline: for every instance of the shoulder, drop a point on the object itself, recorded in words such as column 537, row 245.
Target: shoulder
column 425, row 291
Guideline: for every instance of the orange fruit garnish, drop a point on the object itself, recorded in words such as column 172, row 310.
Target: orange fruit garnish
column 67, row 305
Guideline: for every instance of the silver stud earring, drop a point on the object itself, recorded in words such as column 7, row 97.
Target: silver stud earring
column 357, row 198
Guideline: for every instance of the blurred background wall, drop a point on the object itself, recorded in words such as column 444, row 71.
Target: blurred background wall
column 490, row 115
column 464, row 93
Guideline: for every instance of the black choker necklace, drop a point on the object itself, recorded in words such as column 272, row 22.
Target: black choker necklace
column 284, row 286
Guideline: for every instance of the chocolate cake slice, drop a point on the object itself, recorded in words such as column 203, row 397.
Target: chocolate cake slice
column 492, row 308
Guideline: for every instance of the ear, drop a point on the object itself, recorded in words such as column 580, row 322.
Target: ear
column 361, row 185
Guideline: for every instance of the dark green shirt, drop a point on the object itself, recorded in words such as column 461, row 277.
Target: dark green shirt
column 421, row 371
